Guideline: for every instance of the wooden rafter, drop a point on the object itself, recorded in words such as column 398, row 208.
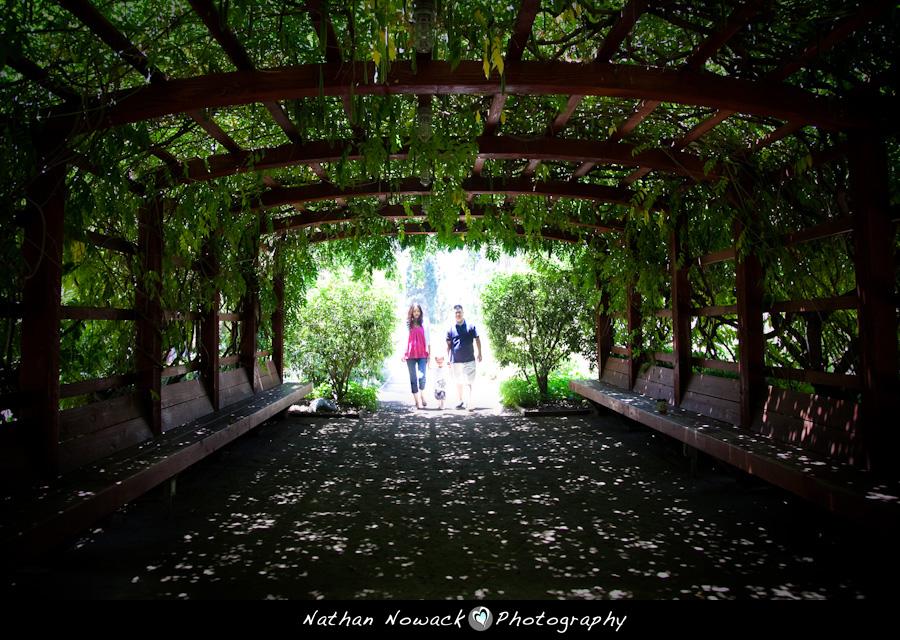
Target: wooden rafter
column 837, row 35
column 395, row 212
column 216, row 132
column 241, row 59
column 412, row 186
column 460, row 228
column 614, row 38
column 40, row 76
column 617, row 34
column 620, row 30
column 223, row 35
column 737, row 20
column 315, row 153
column 598, row 152
column 107, row 32
column 773, row 100
column 324, row 29
column 522, row 31
column 819, row 47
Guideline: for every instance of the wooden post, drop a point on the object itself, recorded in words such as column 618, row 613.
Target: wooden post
column 209, row 327
column 604, row 331
column 681, row 312
column 250, row 320
column 751, row 341
column 149, row 316
column 42, row 251
column 633, row 321
column 873, row 236
column 278, row 321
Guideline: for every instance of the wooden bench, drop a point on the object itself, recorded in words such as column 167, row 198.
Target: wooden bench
column 100, row 429
column 35, row 521
column 706, row 422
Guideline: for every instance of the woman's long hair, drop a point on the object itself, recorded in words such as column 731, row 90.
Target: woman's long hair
column 412, row 322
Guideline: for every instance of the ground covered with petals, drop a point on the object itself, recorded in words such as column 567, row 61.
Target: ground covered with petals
column 451, row 504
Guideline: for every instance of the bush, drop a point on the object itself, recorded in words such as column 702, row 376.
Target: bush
column 536, row 321
column 357, row 395
column 525, row 393
column 519, row 392
column 345, row 329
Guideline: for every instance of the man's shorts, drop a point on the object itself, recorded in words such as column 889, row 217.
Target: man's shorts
column 464, row 372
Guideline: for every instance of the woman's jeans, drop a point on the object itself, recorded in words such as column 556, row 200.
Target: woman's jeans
column 413, row 364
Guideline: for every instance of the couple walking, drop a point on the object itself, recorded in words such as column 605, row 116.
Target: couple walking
column 462, row 338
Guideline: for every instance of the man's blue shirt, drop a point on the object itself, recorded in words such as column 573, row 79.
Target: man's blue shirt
column 462, row 341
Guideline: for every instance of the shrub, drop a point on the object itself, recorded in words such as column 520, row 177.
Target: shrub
column 344, row 329
column 357, row 395
column 520, row 392
column 536, row 321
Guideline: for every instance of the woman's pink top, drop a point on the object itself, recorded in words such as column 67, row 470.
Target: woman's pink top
column 416, row 347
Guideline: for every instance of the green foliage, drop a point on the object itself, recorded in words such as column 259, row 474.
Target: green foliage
column 344, row 327
column 535, row 321
column 523, row 392
column 357, row 395
column 114, row 172
column 520, row 392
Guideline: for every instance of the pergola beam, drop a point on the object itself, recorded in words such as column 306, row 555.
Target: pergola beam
column 621, row 28
column 324, row 28
column 413, row 186
column 761, row 98
column 736, row 21
column 521, row 33
column 107, row 32
column 837, row 35
column 316, row 152
column 460, row 228
column 716, row 41
column 397, row 212
column 815, row 49
column 241, row 59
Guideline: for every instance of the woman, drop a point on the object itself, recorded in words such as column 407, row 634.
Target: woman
column 418, row 351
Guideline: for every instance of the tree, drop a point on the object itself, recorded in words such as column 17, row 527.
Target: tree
column 423, row 285
column 535, row 321
column 344, row 327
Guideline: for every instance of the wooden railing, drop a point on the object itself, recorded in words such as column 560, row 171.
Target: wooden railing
column 825, row 424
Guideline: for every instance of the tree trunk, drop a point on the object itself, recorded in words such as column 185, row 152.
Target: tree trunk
column 542, row 384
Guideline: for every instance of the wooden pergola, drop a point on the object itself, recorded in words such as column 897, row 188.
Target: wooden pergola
column 286, row 106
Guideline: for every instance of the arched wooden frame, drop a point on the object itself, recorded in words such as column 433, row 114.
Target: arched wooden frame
column 770, row 97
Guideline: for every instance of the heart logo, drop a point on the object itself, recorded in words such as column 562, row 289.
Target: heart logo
column 480, row 618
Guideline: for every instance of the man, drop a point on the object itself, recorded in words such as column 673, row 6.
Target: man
column 460, row 340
